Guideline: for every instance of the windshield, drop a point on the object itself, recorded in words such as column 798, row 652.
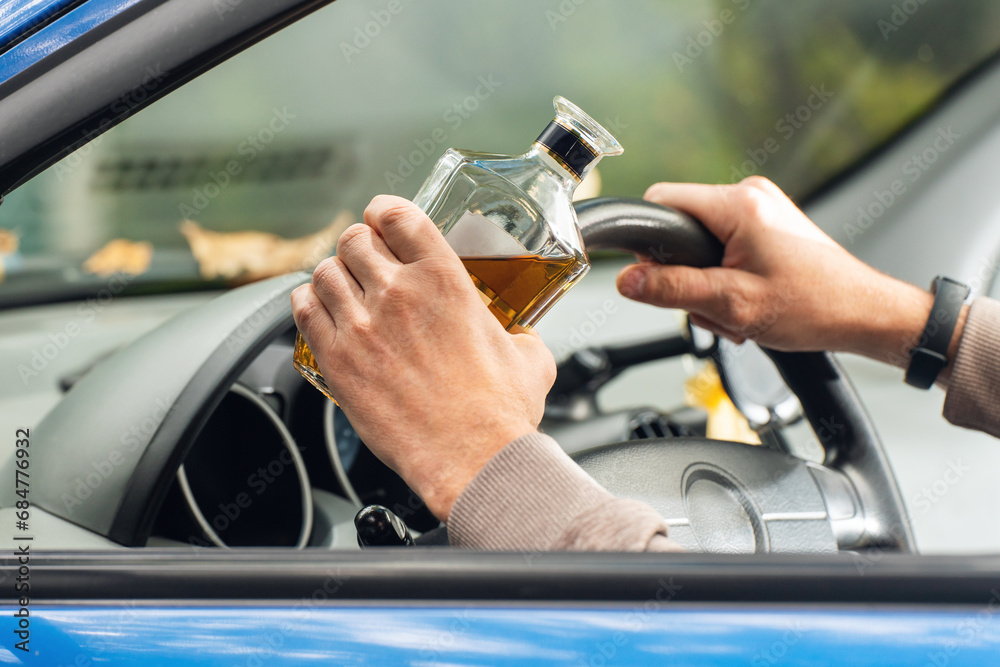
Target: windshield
column 293, row 137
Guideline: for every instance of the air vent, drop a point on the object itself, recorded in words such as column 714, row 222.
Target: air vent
column 160, row 172
column 646, row 425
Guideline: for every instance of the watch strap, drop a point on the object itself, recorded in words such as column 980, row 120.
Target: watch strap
column 930, row 355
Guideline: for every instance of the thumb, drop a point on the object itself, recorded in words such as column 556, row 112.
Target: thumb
column 406, row 230
column 703, row 291
column 540, row 357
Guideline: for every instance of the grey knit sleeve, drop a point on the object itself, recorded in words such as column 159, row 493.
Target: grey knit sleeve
column 532, row 497
column 973, row 398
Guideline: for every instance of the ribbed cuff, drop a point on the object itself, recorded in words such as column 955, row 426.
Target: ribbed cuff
column 532, row 496
column 973, row 398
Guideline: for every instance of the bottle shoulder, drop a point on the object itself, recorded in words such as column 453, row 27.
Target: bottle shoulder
column 514, row 186
column 457, row 166
column 472, row 156
column 457, row 158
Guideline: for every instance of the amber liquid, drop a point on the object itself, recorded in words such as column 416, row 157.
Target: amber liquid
column 517, row 290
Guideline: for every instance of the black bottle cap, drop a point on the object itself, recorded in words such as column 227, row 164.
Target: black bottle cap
column 567, row 148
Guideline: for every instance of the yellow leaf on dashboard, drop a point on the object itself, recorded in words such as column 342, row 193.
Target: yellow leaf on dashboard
column 8, row 242
column 120, row 256
column 244, row 257
column 8, row 246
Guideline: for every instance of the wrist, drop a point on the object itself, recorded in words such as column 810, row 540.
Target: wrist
column 893, row 321
column 895, row 326
column 442, row 482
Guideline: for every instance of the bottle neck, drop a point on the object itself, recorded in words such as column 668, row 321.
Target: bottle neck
column 568, row 149
column 554, row 170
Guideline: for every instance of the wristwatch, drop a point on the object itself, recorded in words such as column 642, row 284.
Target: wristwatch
column 930, row 355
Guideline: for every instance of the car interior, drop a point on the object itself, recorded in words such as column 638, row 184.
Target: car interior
column 151, row 358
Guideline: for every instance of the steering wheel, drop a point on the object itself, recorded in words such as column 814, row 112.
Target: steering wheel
column 731, row 497
column 109, row 451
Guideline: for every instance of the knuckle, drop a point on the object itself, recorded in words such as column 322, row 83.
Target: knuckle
column 362, row 329
column 447, row 271
column 384, row 202
column 395, row 292
column 400, row 212
column 737, row 310
column 298, row 294
column 352, row 238
column 751, row 201
column 758, row 182
column 306, row 312
column 326, row 271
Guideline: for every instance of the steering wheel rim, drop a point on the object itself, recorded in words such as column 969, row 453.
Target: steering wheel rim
column 854, row 452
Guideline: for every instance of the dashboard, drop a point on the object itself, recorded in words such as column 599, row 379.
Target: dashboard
column 198, row 383
column 278, row 464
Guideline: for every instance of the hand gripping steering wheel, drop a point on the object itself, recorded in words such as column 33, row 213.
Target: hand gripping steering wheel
column 731, row 497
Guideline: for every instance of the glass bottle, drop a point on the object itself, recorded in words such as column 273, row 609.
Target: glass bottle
column 511, row 220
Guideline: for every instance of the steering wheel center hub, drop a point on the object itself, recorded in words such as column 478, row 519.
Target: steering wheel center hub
column 720, row 512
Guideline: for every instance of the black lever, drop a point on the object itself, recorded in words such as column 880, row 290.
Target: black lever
column 378, row 527
column 587, row 370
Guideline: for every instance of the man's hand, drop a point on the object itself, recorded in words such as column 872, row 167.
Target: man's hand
column 783, row 282
column 429, row 379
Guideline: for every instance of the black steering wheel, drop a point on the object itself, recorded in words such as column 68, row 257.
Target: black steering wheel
column 136, row 415
column 731, row 497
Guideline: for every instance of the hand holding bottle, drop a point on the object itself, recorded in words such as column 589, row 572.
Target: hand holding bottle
column 429, row 378
column 511, row 220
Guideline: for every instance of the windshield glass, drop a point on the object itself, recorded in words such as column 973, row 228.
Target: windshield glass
column 303, row 129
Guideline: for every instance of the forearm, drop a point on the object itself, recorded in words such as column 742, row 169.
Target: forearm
column 532, row 497
column 889, row 322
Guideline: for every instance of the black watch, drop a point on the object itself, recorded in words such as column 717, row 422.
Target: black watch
column 930, row 355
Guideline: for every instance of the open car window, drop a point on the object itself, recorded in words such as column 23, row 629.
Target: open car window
column 287, row 142
column 361, row 98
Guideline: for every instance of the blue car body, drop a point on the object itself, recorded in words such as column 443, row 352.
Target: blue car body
column 53, row 29
column 474, row 635
column 20, row 16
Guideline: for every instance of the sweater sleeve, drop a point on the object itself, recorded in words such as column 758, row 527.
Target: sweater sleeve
column 532, row 497
column 973, row 398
